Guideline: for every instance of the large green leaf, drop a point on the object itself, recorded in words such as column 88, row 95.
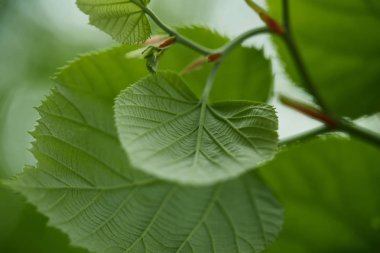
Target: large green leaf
column 339, row 41
column 330, row 189
column 24, row 230
column 245, row 74
column 84, row 183
column 102, row 74
column 169, row 133
column 124, row 20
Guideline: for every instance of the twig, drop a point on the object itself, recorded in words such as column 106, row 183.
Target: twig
column 331, row 124
column 304, row 136
column 241, row 38
column 358, row 131
column 179, row 38
column 324, row 115
column 309, row 111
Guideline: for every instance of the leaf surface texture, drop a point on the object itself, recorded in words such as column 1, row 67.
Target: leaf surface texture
column 85, row 185
column 124, row 20
column 169, row 133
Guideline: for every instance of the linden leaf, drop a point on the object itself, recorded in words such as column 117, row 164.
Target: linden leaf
column 124, row 20
column 169, row 133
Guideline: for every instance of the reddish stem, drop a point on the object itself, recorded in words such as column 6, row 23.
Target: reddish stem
column 193, row 66
column 168, row 42
column 198, row 63
column 272, row 24
column 310, row 111
column 214, row 57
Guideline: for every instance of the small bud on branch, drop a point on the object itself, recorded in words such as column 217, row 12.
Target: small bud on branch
column 214, row 57
column 271, row 23
column 198, row 63
column 167, row 43
column 154, row 40
column 193, row 66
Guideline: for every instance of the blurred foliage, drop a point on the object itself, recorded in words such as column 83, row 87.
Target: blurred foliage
column 330, row 191
column 30, row 52
column 345, row 41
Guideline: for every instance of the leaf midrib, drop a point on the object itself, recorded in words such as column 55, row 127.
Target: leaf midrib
column 164, row 123
column 201, row 123
column 111, row 4
column 154, row 218
column 110, row 188
column 205, row 215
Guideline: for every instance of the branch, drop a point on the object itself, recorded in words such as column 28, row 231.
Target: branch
column 271, row 23
column 219, row 54
column 309, row 111
column 179, row 38
column 218, row 57
column 273, row 27
column 302, row 70
column 358, row 131
column 331, row 124
column 285, row 16
column 304, row 136
column 241, row 38
column 197, row 47
column 297, row 58
column 324, row 116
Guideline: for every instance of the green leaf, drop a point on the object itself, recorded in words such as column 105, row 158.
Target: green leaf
column 330, row 189
column 339, row 41
column 169, row 133
column 85, row 185
column 245, row 74
column 124, row 20
column 102, row 74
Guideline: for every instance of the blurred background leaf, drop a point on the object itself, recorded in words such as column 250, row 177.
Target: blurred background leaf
column 339, row 41
column 31, row 48
column 330, row 190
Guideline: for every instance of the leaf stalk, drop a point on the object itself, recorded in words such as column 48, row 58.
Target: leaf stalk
column 331, row 124
column 178, row 37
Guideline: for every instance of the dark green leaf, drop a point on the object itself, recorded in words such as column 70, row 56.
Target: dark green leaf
column 330, row 189
column 339, row 41
column 102, row 74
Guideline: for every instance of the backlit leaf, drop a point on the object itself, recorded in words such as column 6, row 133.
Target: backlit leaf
column 124, row 20
column 169, row 133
